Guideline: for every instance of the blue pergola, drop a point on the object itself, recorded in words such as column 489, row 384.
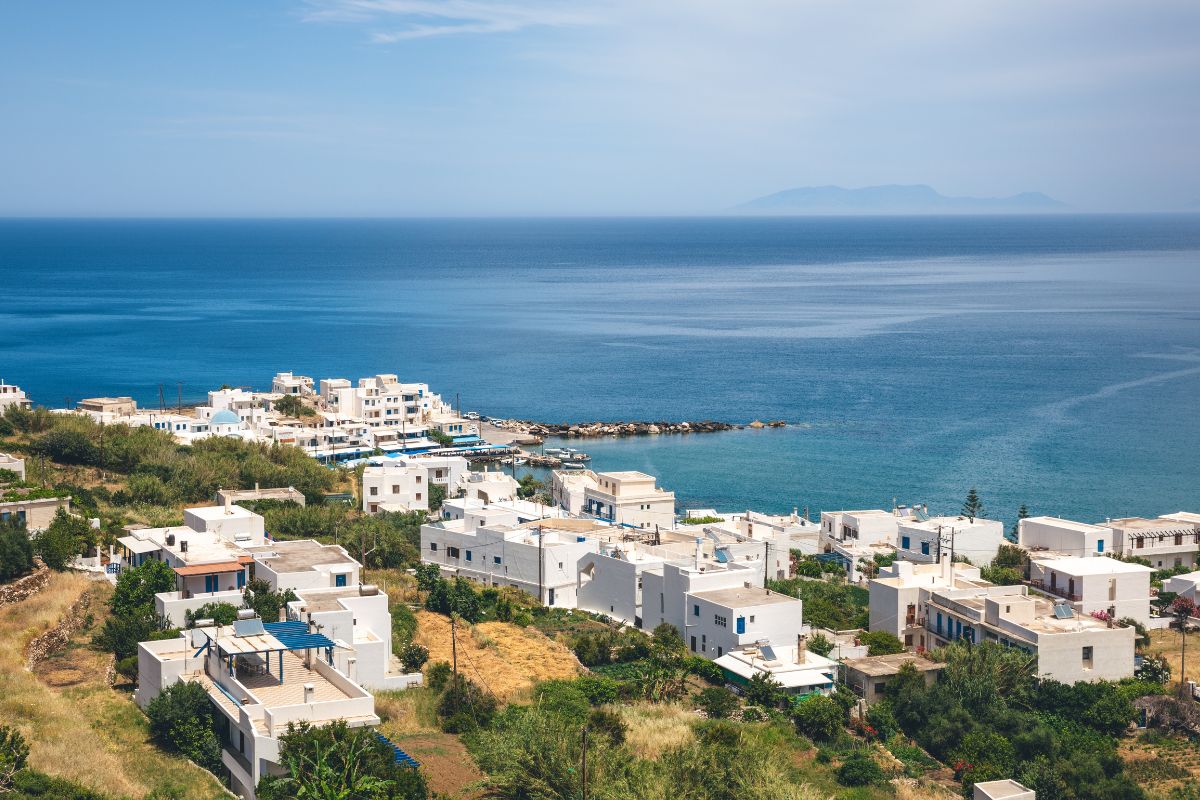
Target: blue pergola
column 253, row 637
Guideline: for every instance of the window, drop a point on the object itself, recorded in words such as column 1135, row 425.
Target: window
column 433, row 546
column 452, row 552
column 418, row 495
column 904, row 543
column 696, row 610
column 1141, row 543
column 719, row 621
column 924, row 548
column 1178, row 540
column 395, row 488
column 374, row 491
column 468, row 555
column 418, row 479
column 703, row 643
column 720, row 651
column 693, row 644
column 879, row 687
column 339, row 580
column 495, row 559
column 1087, row 657
column 752, row 618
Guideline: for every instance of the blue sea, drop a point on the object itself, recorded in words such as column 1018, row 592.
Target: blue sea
column 1052, row 361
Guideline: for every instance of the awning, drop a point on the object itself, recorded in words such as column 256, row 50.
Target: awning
column 136, row 545
column 210, row 569
column 295, row 636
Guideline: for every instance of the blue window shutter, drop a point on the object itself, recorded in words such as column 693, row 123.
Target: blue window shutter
column 695, row 610
column 339, row 580
column 1100, row 546
column 242, row 579
column 904, row 543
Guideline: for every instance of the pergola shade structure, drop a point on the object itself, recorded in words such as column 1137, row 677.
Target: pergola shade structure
column 253, row 640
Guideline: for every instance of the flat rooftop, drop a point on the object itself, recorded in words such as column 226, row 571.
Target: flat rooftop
column 301, row 555
column 742, row 597
column 319, row 600
column 1183, row 516
column 221, row 512
column 1157, row 525
column 1069, row 524
column 1090, row 565
column 879, row 666
column 627, row 475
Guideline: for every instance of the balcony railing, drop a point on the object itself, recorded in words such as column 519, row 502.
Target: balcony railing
column 1057, row 591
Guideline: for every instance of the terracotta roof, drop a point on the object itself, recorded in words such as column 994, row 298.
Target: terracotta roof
column 210, row 569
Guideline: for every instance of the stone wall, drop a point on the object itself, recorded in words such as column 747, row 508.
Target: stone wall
column 42, row 647
column 26, row 587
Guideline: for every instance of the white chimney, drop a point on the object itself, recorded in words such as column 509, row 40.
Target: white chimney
column 310, row 692
column 228, row 504
column 351, row 668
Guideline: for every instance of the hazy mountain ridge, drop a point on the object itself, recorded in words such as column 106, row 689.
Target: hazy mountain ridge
column 892, row 199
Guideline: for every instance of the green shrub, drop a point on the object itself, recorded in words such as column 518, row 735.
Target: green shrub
column 437, row 675
column 881, row 643
column 819, row 643
column 14, row 754
column 818, row 717
column 717, row 702
column 563, row 698
column 182, row 719
column 703, row 668
column 413, row 657
column 599, row 689
column 219, row 613
column 464, row 707
column 859, row 770
column 16, row 550
column 127, row 668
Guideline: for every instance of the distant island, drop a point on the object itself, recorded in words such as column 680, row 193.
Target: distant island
column 893, row 199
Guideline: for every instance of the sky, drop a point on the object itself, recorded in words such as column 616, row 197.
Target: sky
column 588, row 107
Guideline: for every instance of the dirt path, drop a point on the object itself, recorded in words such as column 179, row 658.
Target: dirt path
column 77, row 726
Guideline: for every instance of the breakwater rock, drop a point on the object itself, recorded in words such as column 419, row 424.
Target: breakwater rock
column 636, row 428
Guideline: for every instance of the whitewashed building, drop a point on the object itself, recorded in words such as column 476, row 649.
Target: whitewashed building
column 1070, row 538
column 12, row 396
column 1165, row 542
column 923, row 541
column 630, row 498
column 1095, row 584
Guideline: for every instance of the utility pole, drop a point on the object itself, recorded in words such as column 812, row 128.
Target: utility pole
column 766, row 559
column 541, row 566
column 454, row 647
column 583, row 766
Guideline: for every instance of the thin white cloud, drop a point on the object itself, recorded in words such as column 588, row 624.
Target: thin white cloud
column 421, row 19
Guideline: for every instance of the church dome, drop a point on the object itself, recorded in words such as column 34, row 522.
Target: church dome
column 225, row 417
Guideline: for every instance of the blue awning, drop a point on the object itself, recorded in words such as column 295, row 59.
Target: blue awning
column 295, row 636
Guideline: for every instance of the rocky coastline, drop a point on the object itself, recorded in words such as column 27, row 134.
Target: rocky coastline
column 633, row 428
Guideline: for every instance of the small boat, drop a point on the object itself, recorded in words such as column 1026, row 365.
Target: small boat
column 579, row 457
column 572, row 465
column 554, row 451
column 517, row 462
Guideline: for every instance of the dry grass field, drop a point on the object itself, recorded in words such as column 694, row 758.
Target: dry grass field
column 504, row 658
column 653, row 729
column 77, row 726
column 409, row 720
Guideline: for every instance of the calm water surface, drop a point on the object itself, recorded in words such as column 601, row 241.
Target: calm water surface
column 1053, row 361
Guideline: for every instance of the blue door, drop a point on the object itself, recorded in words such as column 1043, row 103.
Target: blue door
column 339, row 580
column 741, row 624
column 210, row 583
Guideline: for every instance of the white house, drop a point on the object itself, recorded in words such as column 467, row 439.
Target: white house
column 1064, row 536
column 718, row 607
column 898, row 595
column 260, row 677
column 12, row 396
column 1092, row 584
column 1165, row 542
column 568, row 489
column 287, row 383
column 489, row 545
column 631, row 499
column 923, row 541
column 402, row 484
column 869, row 526
column 487, row 486
column 798, row 670
column 356, row 618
